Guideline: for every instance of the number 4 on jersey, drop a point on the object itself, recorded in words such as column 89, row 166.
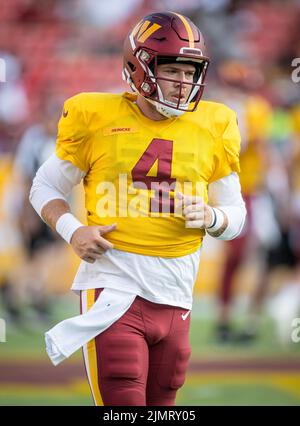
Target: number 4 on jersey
column 160, row 150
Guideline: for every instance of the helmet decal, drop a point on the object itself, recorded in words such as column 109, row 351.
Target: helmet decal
column 188, row 29
column 143, row 31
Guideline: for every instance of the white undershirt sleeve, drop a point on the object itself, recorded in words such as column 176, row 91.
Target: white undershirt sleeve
column 54, row 180
column 225, row 196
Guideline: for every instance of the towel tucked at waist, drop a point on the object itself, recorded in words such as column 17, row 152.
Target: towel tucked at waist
column 71, row 334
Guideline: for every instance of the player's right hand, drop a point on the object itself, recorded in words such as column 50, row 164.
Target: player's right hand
column 88, row 243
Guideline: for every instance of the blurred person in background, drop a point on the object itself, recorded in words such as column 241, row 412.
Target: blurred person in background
column 278, row 249
column 240, row 81
column 38, row 241
column 285, row 306
column 270, row 38
column 13, row 115
column 139, row 266
column 9, row 246
column 266, row 187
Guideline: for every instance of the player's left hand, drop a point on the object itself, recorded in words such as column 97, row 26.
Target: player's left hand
column 197, row 214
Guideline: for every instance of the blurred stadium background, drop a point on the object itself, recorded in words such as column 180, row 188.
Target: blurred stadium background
column 245, row 340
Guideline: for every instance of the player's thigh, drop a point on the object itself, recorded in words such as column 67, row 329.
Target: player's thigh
column 122, row 358
column 122, row 354
column 168, row 363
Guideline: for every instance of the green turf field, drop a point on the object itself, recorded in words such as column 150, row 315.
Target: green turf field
column 260, row 373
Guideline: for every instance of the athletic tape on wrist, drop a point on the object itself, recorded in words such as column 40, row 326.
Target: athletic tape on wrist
column 66, row 225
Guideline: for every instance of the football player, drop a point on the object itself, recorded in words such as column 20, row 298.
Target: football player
column 159, row 170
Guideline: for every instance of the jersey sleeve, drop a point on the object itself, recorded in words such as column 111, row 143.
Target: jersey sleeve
column 227, row 149
column 72, row 139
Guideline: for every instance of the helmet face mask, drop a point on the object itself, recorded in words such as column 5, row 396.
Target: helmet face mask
column 195, row 88
column 172, row 44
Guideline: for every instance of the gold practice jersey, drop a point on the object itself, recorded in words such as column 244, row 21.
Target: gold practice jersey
column 257, row 123
column 134, row 166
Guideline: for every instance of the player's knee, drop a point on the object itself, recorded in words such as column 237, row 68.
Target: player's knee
column 124, row 359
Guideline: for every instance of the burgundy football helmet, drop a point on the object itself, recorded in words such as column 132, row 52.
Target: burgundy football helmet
column 164, row 38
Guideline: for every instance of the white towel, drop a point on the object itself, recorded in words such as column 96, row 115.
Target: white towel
column 71, row 334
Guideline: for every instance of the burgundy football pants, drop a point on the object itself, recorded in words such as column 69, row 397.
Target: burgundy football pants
column 142, row 358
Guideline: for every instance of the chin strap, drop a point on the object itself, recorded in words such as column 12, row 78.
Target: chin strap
column 167, row 111
column 170, row 110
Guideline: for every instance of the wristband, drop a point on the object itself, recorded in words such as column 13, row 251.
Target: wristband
column 66, row 225
column 214, row 219
column 220, row 225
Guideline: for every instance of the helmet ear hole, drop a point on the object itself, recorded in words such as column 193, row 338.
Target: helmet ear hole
column 131, row 66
